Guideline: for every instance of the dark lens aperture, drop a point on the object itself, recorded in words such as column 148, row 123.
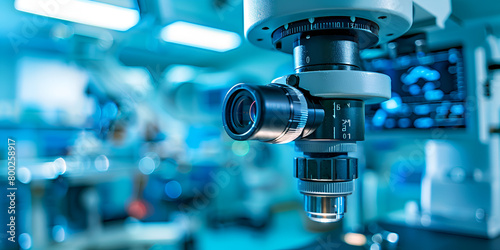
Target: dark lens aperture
column 242, row 116
column 242, row 111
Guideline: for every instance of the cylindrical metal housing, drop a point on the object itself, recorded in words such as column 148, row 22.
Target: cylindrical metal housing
column 326, row 52
column 325, row 209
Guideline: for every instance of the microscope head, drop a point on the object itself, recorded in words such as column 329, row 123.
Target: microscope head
column 321, row 106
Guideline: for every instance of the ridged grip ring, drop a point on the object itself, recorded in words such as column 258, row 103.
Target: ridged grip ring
column 325, row 146
column 324, row 188
column 298, row 119
column 326, row 169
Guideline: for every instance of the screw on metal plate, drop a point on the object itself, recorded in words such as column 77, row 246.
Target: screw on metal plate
column 292, row 80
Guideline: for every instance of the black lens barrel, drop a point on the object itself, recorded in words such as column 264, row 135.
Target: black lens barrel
column 326, row 52
column 272, row 112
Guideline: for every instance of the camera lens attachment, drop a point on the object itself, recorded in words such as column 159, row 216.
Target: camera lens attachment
column 275, row 113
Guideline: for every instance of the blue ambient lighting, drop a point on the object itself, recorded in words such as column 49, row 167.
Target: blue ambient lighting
column 173, row 189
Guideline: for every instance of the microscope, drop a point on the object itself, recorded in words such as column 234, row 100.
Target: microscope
column 321, row 107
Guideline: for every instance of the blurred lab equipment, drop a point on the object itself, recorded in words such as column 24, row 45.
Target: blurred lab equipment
column 113, row 109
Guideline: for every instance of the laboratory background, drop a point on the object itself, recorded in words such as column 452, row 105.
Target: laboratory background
column 249, row 124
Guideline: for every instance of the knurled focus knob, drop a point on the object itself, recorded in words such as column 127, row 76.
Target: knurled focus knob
column 326, row 169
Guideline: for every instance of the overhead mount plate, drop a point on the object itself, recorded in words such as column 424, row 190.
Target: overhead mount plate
column 263, row 17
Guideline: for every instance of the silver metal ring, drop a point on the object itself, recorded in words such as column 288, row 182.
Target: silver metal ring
column 324, row 146
column 323, row 188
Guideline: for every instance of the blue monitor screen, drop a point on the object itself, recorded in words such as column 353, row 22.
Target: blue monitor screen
column 428, row 91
